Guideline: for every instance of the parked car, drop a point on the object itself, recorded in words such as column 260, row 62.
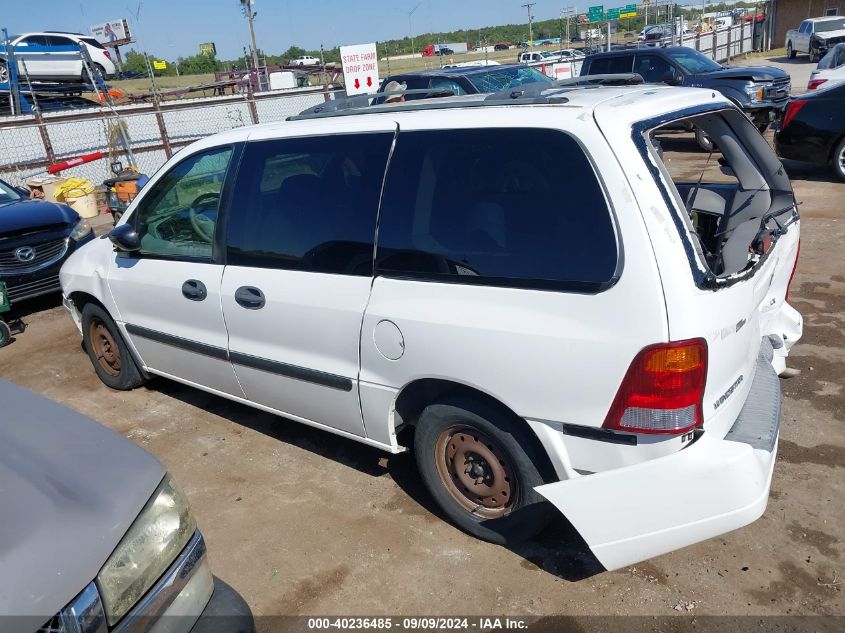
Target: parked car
column 445, row 50
column 131, row 74
column 813, row 129
column 467, row 80
column 36, row 237
column 305, row 60
column 96, row 536
column 56, row 56
column 830, row 71
column 815, row 36
column 470, row 299
column 760, row 91
column 502, row 46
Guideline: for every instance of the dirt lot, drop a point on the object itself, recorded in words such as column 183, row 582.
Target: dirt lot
column 302, row 522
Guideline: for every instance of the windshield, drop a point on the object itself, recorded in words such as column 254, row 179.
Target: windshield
column 830, row 25
column 692, row 61
column 7, row 194
column 504, row 78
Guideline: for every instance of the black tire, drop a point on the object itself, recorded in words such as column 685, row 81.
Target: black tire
column 107, row 350
column 704, row 141
column 522, row 465
column 839, row 160
column 814, row 56
column 790, row 52
column 5, row 334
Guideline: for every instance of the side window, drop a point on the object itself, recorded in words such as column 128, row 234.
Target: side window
column 34, row 40
column 56, row 40
column 805, row 27
column 510, row 215
column 178, row 216
column 447, row 84
column 652, row 68
column 610, row 65
column 308, row 204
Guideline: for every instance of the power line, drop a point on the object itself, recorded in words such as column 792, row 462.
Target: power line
column 530, row 20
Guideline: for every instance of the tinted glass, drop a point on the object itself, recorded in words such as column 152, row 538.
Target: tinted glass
column 498, row 78
column 178, row 215
column 610, row 65
column 34, row 40
column 8, row 194
column 693, row 61
column 58, row 40
column 308, row 204
column 495, row 206
column 651, row 68
column 830, row 25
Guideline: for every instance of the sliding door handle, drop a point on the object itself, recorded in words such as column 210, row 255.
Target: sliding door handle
column 249, row 297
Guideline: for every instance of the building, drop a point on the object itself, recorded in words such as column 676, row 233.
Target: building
column 789, row 13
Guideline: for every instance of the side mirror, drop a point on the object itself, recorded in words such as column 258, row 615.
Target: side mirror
column 125, row 238
column 671, row 79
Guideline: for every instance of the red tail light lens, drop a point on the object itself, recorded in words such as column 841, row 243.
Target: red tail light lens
column 663, row 390
column 107, row 54
column 792, row 108
column 815, row 83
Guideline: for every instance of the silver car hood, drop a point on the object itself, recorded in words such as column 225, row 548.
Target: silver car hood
column 69, row 490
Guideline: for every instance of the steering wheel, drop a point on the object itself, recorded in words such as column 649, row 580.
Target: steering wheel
column 203, row 226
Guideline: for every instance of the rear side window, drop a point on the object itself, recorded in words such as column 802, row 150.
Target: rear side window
column 511, row 207
column 610, row 65
column 308, row 204
column 652, row 68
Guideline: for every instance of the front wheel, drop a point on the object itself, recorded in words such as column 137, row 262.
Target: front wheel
column 481, row 467
column 839, row 159
column 5, row 334
column 108, row 351
column 790, row 52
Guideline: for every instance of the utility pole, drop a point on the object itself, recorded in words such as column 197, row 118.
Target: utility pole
column 530, row 20
column 246, row 6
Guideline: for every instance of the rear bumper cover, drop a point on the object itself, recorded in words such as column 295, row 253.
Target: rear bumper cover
column 714, row 486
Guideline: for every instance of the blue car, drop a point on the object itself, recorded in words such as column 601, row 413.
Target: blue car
column 36, row 237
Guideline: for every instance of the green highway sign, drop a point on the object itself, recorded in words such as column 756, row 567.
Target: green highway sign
column 628, row 11
column 596, row 14
column 613, row 14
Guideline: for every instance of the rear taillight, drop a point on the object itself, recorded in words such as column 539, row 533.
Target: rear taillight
column 815, row 83
column 663, row 390
column 794, row 268
column 792, row 108
column 107, row 54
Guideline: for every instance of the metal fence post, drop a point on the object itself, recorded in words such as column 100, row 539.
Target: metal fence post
column 162, row 129
column 250, row 100
column 45, row 137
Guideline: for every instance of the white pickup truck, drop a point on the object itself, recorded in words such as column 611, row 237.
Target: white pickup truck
column 815, row 36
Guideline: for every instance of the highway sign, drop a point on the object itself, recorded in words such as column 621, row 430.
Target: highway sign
column 596, row 14
column 613, row 14
column 628, row 11
column 360, row 68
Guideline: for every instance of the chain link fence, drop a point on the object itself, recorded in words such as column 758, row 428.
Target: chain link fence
column 145, row 134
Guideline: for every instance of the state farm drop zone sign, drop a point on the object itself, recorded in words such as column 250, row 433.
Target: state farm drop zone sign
column 360, row 68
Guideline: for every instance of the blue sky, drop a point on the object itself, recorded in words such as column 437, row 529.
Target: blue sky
column 172, row 28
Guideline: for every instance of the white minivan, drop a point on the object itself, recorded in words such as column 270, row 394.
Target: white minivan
column 518, row 287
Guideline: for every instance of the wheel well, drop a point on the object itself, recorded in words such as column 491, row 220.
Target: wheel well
column 81, row 299
column 417, row 395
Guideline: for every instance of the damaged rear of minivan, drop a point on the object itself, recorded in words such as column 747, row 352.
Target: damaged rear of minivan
column 724, row 229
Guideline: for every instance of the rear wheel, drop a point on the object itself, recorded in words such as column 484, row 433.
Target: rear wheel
column 839, row 159
column 108, row 351
column 4, row 72
column 481, row 466
column 790, row 52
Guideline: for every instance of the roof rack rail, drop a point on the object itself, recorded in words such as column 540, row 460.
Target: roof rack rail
column 532, row 93
column 362, row 101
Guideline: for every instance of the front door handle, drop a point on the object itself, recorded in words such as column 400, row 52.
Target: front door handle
column 249, row 297
column 194, row 290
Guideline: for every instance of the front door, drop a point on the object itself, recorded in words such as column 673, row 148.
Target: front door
column 299, row 270
column 168, row 294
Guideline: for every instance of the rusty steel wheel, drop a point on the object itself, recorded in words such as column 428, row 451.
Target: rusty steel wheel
column 477, row 471
column 104, row 346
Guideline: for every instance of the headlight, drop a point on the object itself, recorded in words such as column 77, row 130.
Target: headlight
column 80, row 230
column 756, row 92
column 152, row 543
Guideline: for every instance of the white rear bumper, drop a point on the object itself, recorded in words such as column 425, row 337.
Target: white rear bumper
column 629, row 514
